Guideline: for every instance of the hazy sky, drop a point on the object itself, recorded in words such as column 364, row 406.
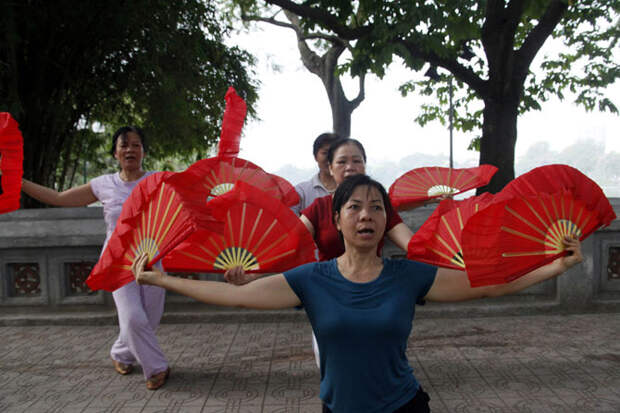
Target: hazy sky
column 294, row 109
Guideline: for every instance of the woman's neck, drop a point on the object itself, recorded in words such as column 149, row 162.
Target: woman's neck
column 328, row 181
column 133, row 175
column 360, row 266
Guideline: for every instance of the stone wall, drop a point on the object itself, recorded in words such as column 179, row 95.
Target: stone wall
column 46, row 254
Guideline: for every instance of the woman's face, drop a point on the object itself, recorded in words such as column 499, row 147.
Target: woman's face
column 348, row 160
column 129, row 151
column 321, row 158
column 362, row 219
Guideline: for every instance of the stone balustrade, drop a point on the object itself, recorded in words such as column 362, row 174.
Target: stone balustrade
column 46, row 255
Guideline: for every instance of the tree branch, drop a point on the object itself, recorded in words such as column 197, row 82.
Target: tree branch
column 539, row 34
column 361, row 95
column 512, row 17
column 493, row 11
column 298, row 31
column 323, row 18
column 498, row 34
column 459, row 71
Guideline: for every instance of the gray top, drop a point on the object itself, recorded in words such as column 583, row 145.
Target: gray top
column 308, row 191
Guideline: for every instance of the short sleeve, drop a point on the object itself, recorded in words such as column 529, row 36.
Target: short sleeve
column 302, row 197
column 299, row 278
column 312, row 213
column 420, row 277
column 428, row 273
column 393, row 219
column 96, row 185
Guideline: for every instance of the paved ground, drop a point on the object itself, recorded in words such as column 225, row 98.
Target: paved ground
column 508, row 364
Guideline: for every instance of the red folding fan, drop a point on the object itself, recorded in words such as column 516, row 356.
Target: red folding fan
column 421, row 184
column 11, row 163
column 551, row 179
column 232, row 124
column 438, row 241
column 211, row 177
column 154, row 219
column 511, row 238
column 261, row 234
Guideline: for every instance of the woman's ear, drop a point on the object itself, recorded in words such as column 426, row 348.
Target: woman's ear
column 337, row 220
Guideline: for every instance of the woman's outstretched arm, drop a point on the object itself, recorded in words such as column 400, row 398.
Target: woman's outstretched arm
column 452, row 285
column 79, row 196
column 400, row 235
column 267, row 293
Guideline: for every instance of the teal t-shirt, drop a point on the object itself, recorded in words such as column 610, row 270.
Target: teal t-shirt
column 362, row 331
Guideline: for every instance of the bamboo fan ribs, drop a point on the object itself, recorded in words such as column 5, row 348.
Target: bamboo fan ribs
column 166, row 208
column 261, row 234
column 498, row 238
column 212, row 177
column 511, row 238
column 556, row 178
column 154, row 219
column 438, row 241
column 421, row 184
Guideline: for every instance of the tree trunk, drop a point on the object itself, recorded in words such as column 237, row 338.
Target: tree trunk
column 499, row 136
column 44, row 134
column 325, row 68
column 341, row 108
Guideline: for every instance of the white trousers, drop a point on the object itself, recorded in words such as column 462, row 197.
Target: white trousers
column 139, row 308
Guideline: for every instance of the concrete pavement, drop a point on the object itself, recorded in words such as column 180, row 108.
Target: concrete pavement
column 543, row 363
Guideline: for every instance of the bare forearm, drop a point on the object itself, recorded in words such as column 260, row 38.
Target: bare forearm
column 536, row 276
column 271, row 292
column 210, row 292
column 79, row 196
column 451, row 285
column 400, row 235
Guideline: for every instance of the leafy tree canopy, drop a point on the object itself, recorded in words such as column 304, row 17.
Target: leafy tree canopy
column 321, row 53
column 73, row 71
column 488, row 47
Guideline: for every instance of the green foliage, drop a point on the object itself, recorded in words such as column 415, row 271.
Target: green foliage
column 466, row 111
column 450, row 35
column 589, row 32
column 74, row 71
column 585, row 68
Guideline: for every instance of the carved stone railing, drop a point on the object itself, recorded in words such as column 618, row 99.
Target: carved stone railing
column 46, row 254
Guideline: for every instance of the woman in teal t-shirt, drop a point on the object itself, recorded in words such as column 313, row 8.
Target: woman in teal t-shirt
column 361, row 306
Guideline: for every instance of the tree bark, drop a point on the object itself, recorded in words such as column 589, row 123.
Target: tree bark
column 499, row 137
column 341, row 107
column 508, row 67
column 325, row 68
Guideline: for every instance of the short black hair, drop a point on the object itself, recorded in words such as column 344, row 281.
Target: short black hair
column 322, row 140
column 347, row 187
column 122, row 133
column 343, row 141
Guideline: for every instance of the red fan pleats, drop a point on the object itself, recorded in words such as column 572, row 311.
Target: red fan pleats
column 286, row 192
column 232, row 124
column 154, row 219
column 438, row 241
column 552, row 179
column 209, row 178
column 11, row 163
column 421, row 184
column 261, row 233
column 511, row 238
